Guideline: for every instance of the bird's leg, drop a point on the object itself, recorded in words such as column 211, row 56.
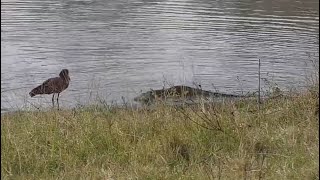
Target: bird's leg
column 58, row 100
column 53, row 100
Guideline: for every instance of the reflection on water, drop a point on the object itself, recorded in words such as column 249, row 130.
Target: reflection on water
column 118, row 48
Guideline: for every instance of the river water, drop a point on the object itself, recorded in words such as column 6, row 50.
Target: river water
column 120, row 48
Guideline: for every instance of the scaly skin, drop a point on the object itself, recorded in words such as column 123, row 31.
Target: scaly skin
column 178, row 92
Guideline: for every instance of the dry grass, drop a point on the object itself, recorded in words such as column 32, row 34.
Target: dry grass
column 220, row 141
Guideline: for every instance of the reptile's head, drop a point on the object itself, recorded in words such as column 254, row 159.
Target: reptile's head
column 145, row 98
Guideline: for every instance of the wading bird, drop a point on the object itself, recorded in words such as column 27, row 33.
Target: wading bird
column 53, row 86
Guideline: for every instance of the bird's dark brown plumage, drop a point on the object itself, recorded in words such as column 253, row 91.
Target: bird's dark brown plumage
column 53, row 85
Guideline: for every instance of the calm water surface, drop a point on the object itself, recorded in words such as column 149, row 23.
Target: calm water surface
column 117, row 49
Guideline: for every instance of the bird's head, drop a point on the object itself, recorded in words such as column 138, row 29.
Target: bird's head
column 65, row 74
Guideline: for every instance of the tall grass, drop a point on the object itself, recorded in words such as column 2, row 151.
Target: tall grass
column 217, row 141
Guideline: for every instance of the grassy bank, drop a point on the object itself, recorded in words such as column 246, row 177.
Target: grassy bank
column 230, row 141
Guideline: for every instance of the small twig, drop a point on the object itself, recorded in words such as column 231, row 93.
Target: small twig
column 38, row 108
column 259, row 100
column 203, row 126
column 260, row 172
column 186, row 115
column 208, row 120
